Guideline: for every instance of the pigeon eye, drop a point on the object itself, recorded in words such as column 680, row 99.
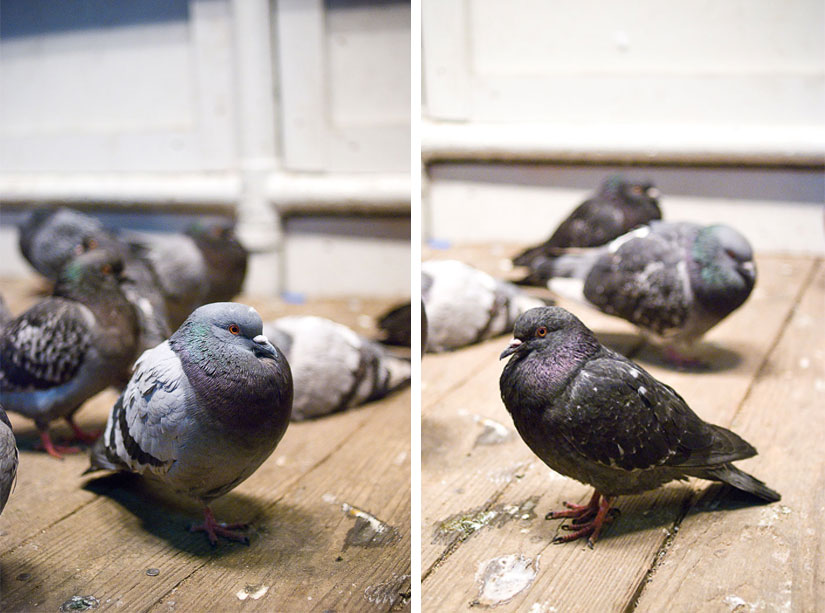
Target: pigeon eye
column 106, row 269
column 234, row 329
column 541, row 332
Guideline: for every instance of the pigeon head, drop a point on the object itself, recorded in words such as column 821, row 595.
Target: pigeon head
column 94, row 271
column 551, row 330
column 642, row 193
column 234, row 328
column 723, row 272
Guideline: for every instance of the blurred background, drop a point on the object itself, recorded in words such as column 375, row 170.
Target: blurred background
column 721, row 104
column 293, row 116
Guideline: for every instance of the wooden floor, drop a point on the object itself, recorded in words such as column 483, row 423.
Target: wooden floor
column 329, row 513
column 685, row 547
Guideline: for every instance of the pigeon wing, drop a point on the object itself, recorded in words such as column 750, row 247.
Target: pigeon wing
column 46, row 345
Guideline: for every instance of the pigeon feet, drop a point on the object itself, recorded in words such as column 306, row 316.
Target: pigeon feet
column 80, row 435
column 214, row 529
column 53, row 450
column 588, row 520
column 578, row 512
column 681, row 361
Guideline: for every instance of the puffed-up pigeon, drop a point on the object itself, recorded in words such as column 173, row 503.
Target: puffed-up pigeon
column 597, row 417
column 617, row 207
column 465, row 305
column 67, row 348
column 203, row 410
column 8, row 459
column 675, row 281
column 333, row 367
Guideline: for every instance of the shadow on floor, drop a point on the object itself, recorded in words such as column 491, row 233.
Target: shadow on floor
column 168, row 517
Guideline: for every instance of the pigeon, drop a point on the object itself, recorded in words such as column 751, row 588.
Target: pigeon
column 333, row 367
column 141, row 287
column 465, row 305
column 396, row 325
column 224, row 256
column 597, row 417
column 50, row 236
column 8, row 459
column 206, row 264
column 203, row 410
column 68, row 347
column 674, row 281
column 619, row 206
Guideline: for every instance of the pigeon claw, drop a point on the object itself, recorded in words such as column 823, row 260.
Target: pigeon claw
column 215, row 529
column 588, row 523
column 56, row 451
column 577, row 512
column 81, row 436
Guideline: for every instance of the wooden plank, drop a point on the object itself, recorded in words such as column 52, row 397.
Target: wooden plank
column 763, row 558
column 610, row 576
column 302, row 567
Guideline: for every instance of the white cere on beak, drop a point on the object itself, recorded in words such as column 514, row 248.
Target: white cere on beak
column 261, row 340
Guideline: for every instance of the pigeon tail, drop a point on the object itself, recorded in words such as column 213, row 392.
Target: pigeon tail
column 728, row 473
column 571, row 264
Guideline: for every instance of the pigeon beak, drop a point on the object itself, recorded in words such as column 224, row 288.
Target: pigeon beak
column 748, row 270
column 511, row 348
column 264, row 346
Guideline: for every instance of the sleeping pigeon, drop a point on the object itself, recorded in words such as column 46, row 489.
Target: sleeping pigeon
column 595, row 416
column 465, row 305
column 206, row 264
column 333, row 368
column 203, row 410
column 68, row 347
column 619, row 206
column 8, row 458
column 50, row 236
column 675, row 281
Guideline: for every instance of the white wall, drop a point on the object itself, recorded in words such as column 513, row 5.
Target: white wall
column 721, row 103
column 257, row 106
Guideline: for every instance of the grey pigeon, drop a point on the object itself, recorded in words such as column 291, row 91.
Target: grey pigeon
column 617, row 207
column 206, row 264
column 50, row 236
column 595, row 416
column 225, row 257
column 179, row 268
column 68, row 347
column 333, row 367
column 8, row 459
column 203, row 410
column 675, row 281
column 465, row 305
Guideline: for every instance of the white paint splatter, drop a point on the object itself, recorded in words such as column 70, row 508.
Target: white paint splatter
column 501, row 579
column 252, row 591
column 329, row 498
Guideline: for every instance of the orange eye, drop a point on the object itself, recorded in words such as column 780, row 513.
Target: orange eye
column 234, row 329
column 541, row 332
column 106, row 269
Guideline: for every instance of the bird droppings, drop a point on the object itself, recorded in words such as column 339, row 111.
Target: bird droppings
column 502, row 578
column 771, row 514
column 494, row 433
column 388, row 592
column 368, row 531
column 542, row 607
column 506, row 475
column 329, row 498
column 253, row 592
column 80, row 603
column 738, row 604
column 153, row 572
column 464, row 525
